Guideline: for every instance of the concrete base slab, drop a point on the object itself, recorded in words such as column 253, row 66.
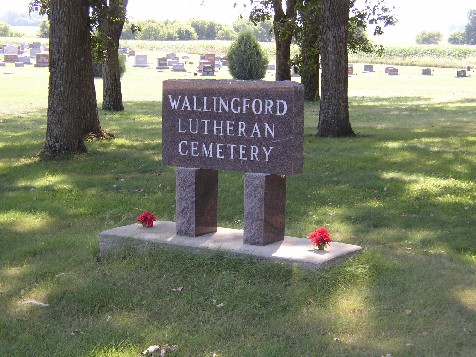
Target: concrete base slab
column 291, row 249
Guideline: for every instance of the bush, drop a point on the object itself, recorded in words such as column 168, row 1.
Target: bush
column 44, row 29
column 246, row 58
column 97, row 67
column 429, row 38
column 6, row 31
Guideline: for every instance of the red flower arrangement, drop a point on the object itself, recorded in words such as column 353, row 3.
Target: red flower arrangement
column 320, row 237
column 147, row 219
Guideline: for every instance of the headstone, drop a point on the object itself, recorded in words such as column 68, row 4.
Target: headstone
column 141, row 61
column 162, row 63
column 36, row 45
column 186, row 57
column 171, row 56
column 251, row 126
column 208, row 70
column 171, row 62
column 11, row 50
column 179, row 67
column 19, row 64
column 350, row 69
column 132, row 53
column 10, row 58
column 218, row 65
column 271, row 67
column 203, row 63
column 34, row 52
column 368, row 67
column 2, row 64
column 459, row 74
column 210, row 57
column 391, row 71
column 42, row 60
column 24, row 59
column 426, row 71
column 224, row 62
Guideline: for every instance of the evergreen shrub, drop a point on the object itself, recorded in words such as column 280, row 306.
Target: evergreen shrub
column 246, row 58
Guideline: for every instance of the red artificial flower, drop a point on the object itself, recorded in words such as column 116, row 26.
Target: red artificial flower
column 147, row 219
column 320, row 236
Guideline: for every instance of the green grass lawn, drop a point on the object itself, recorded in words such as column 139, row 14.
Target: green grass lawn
column 404, row 189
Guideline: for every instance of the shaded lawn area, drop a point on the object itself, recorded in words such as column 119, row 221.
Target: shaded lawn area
column 404, row 189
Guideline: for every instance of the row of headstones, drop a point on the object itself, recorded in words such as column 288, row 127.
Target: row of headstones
column 42, row 60
column 207, row 64
column 10, row 49
column 393, row 71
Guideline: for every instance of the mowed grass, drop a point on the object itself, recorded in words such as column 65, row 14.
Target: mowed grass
column 404, row 189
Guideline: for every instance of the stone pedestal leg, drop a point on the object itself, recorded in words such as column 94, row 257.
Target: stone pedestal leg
column 265, row 204
column 196, row 201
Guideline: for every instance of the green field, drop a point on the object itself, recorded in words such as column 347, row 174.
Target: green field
column 404, row 189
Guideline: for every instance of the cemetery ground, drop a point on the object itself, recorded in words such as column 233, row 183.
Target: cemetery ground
column 404, row 189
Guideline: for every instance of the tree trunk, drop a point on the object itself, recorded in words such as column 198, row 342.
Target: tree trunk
column 111, row 27
column 283, row 25
column 72, row 108
column 283, row 56
column 310, row 68
column 309, row 42
column 334, row 109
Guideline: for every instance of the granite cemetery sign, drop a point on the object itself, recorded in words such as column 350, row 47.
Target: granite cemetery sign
column 253, row 127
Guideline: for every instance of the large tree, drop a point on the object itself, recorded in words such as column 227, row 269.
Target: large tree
column 72, row 106
column 284, row 25
column 111, row 19
column 334, row 109
column 470, row 28
column 307, row 36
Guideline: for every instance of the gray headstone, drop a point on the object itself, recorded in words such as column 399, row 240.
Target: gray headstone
column 460, row 73
column 368, row 67
column 171, row 62
column 11, row 50
column 426, row 71
column 141, row 61
column 178, row 67
column 34, row 52
column 24, row 59
column 162, row 63
column 208, row 71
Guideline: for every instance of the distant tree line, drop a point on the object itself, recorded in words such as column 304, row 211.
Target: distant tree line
column 14, row 18
column 6, row 31
column 195, row 29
